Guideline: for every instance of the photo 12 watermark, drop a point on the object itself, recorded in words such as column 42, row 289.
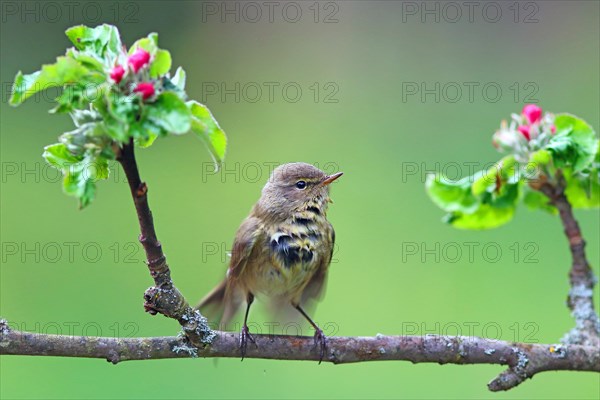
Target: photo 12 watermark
column 78, row 328
column 88, row 12
column 252, row 12
column 452, row 12
column 70, row 252
column 270, row 92
column 41, row 172
column 470, row 252
column 50, row 91
column 454, row 171
column 37, row 172
column 525, row 332
column 468, row 92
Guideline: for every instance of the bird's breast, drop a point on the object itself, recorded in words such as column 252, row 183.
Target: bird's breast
column 297, row 247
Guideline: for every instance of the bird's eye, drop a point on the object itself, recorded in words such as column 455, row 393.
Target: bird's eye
column 301, row 185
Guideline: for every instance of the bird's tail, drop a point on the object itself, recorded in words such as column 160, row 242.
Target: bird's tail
column 221, row 304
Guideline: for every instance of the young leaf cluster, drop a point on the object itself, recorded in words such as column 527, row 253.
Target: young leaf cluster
column 114, row 96
column 539, row 147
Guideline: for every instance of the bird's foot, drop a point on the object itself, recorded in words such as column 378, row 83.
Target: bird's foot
column 244, row 338
column 320, row 342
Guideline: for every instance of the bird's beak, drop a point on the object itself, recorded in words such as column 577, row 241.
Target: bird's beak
column 331, row 178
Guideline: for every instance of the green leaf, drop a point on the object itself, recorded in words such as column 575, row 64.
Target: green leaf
column 575, row 143
column 118, row 111
column 80, row 172
column 64, row 71
column 149, row 43
column 81, row 117
column 75, row 97
column 91, row 62
column 178, row 78
column 80, row 178
column 540, row 157
column 506, row 196
column 170, row 113
column 536, row 200
column 122, row 113
column 466, row 210
column 485, row 181
column 116, row 129
column 146, row 141
column 103, row 40
column 451, row 195
column 89, row 137
column 495, row 209
column 145, row 133
column 161, row 64
column 486, row 217
column 208, row 130
column 58, row 156
column 75, row 184
column 583, row 189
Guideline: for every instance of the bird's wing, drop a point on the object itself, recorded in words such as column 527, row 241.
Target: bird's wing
column 248, row 235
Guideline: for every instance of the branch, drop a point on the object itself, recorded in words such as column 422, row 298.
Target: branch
column 581, row 276
column 524, row 360
column 581, row 352
column 163, row 297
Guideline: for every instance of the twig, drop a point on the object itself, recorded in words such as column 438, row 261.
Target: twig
column 163, row 297
column 581, row 276
column 524, row 360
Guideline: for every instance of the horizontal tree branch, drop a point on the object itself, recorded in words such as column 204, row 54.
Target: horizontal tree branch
column 524, row 360
column 579, row 353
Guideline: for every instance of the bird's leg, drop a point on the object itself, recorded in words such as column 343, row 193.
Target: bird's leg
column 245, row 334
column 320, row 339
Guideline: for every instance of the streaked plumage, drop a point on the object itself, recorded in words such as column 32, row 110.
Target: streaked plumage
column 282, row 249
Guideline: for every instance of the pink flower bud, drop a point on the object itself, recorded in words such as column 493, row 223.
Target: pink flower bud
column 533, row 113
column 138, row 59
column 146, row 89
column 117, row 73
column 524, row 129
column 553, row 129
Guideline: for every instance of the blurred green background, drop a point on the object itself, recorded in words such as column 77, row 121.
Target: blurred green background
column 397, row 269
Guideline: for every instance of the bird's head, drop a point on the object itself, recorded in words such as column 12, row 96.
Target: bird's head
column 296, row 186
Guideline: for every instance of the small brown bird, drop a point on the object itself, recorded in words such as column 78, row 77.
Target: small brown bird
column 282, row 249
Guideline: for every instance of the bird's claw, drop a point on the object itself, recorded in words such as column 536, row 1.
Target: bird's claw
column 244, row 337
column 321, row 342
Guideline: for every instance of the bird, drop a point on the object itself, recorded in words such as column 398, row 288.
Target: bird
column 281, row 250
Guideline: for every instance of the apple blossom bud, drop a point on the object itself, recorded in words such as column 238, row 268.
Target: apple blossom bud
column 533, row 113
column 146, row 89
column 138, row 59
column 525, row 131
column 117, row 73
